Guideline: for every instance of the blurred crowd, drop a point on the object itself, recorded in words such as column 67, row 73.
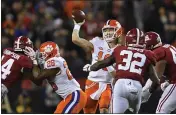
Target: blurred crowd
column 50, row 20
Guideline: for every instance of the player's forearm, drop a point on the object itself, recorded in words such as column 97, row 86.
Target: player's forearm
column 36, row 71
column 102, row 64
column 153, row 76
column 86, row 45
column 153, row 87
column 37, row 82
column 47, row 73
column 75, row 37
column 97, row 66
column 160, row 67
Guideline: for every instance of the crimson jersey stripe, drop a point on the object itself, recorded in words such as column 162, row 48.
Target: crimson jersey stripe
column 166, row 97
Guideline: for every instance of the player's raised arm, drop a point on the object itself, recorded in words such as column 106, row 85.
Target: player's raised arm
column 100, row 64
column 79, row 19
column 46, row 73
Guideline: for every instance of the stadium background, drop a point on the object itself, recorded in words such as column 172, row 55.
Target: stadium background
column 50, row 20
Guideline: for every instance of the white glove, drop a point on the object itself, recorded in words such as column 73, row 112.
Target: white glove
column 147, row 85
column 145, row 95
column 31, row 53
column 86, row 68
column 164, row 85
column 80, row 23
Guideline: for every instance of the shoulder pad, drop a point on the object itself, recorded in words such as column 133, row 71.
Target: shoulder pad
column 54, row 62
column 95, row 39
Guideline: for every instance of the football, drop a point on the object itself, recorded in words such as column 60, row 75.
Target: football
column 78, row 16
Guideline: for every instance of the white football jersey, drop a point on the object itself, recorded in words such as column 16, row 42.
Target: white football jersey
column 101, row 51
column 63, row 83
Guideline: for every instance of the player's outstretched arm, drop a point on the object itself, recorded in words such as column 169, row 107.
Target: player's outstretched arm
column 46, row 73
column 83, row 43
column 27, row 74
column 102, row 64
column 146, row 93
column 154, row 77
column 160, row 67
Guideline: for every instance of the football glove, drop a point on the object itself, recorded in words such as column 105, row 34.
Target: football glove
column 31, row 53
column 145, row 95
column 86, row 68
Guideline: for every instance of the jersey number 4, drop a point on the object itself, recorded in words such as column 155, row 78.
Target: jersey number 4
column 5, row 68
column 133, row 66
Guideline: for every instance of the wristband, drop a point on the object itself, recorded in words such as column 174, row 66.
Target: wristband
column 35, row 62
column 77, row 27
column 110, row 69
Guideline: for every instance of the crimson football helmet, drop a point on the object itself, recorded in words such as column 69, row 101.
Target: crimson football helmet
column 21, row 42
column 111, row 30
column 48, row 50
column 152, row 40
column 135, row 38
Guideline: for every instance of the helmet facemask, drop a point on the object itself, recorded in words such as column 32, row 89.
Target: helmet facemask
column 109, row 33
column 40, row 58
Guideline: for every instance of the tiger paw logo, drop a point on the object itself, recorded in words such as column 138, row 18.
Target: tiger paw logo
column 48, row 48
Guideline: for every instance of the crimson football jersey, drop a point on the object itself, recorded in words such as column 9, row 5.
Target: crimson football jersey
column 132, row 63
column 12, row 65
column 167, row 52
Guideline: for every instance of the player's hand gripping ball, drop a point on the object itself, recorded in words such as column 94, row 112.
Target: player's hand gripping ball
column 78, row 16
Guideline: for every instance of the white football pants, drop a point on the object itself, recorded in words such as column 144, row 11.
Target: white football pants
column 167, row 102
column 127, row 94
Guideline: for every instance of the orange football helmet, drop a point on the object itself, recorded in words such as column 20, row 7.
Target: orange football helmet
column 111, row 30
column 48, row 50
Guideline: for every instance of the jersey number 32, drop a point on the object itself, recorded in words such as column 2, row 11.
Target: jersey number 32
column 133, row 66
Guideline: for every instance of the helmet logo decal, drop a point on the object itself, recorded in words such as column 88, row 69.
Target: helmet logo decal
column 147, row 38
column 48, row 48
